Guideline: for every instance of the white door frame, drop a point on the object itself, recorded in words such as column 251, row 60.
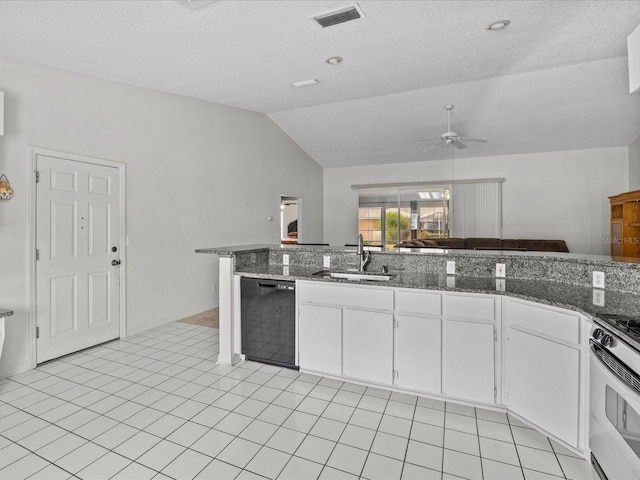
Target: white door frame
column 32, row 153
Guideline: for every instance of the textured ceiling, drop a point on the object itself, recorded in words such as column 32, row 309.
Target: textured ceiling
column 555, row 79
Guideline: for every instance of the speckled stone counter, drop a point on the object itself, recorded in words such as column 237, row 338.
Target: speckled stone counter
column 562, row 295
column 557, row 279
column 5, row 313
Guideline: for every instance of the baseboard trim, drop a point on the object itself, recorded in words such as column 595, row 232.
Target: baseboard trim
column 11, row 370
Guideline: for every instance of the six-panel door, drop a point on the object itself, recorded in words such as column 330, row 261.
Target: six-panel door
column 78, row 227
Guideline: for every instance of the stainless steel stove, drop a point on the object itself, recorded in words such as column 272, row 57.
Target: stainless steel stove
column 623, row 326
column 614, row 420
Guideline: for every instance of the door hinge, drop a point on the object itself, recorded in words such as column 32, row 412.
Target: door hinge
column 394, row 374
column 495, row 392
column 37, row 332
column 37, row 176
column 396, row 324
column 495, row 335
column 37, row 254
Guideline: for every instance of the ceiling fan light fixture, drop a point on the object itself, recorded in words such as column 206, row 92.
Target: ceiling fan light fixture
column 497, row 25
column 334, row 60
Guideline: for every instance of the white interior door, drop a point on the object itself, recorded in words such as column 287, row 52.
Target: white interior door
column 77, row 237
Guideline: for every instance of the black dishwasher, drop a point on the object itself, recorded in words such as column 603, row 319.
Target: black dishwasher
column 268, row 321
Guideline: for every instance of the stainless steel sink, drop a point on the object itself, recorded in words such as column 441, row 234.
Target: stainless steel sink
column 374, row 276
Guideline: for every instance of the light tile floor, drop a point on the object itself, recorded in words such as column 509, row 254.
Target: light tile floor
column 156, row 405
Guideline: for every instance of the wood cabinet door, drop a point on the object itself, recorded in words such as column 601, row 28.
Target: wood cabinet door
column 367, row 345
column 543, row 383
column 418, row 353
column 320, row 339
column 469, row 361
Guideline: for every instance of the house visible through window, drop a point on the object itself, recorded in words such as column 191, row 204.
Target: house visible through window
column 389, row 215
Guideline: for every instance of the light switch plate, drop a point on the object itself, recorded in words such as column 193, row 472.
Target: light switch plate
column 598, row 279
column 451, row 267
column 285, row 259
column 500, row 284
column 451, row 282
column 501, row 269
column 326, row 261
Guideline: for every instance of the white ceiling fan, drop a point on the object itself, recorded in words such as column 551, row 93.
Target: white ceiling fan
column 449, row 137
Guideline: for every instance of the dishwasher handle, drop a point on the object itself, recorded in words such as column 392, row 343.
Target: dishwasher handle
column 290, row 286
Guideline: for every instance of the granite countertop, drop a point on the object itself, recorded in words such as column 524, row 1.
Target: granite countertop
column 563, row 291
column 5, row 313
column 574, row 257
column 561, row 295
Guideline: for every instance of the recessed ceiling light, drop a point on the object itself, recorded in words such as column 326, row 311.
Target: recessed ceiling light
column 334, row 60
column 305, row 83
column 499, row 25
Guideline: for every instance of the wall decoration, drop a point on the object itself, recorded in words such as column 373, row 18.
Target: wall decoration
column 6, row 192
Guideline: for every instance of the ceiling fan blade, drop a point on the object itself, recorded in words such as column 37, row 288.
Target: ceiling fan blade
column 458, row 144
column 429, row 140
column 433, row 146
column 472, row 139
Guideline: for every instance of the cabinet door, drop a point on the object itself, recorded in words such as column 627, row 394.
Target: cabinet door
column 469, row 369
column 542, row 383
column 418, row 353
column 320, row 339
column 367, row 351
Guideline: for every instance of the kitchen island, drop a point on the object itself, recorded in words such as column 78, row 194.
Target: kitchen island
column 563, row 280
column 517, row 344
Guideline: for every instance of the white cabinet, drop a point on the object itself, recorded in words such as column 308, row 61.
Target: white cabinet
column 320, row 339
column 544, row 369
column 469, row 364
column 418, row 353
column 367, row 341
column 450, row 344
column 346, row 330
column 417, row 357
column 542, row 382
column 470, row 338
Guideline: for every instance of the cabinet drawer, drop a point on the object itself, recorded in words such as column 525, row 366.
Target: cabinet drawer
column 471, row 307
column 419, row 303
column 342, row 295
column 564, row 326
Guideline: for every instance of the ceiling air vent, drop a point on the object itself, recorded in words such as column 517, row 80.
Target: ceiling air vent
column 343, row 15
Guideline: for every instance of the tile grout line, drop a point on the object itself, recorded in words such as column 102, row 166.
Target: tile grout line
column 147, row 347
column 72, row 432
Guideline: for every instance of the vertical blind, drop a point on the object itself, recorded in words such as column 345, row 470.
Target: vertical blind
column 477, row 209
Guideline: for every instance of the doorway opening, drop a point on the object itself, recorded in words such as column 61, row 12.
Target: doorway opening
column 289, row 213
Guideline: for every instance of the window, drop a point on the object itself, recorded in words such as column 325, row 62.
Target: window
column 369, row 224
column 391, row 214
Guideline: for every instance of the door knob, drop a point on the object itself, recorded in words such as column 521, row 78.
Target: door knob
column 115, row 263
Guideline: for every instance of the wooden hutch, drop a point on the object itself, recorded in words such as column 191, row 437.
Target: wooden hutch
column 625, row 224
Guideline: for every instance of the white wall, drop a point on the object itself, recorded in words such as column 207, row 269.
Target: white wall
column 198, row 175
column 553, row 195
column 634, row 165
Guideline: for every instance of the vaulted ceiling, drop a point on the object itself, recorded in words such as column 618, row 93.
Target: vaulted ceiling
column 554, row 79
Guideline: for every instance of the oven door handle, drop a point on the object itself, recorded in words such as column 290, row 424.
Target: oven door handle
column 615, row 365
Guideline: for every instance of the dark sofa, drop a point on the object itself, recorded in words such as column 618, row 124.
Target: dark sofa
column 531, row 245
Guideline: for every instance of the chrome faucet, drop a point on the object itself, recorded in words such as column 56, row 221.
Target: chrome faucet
column 365, row 256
